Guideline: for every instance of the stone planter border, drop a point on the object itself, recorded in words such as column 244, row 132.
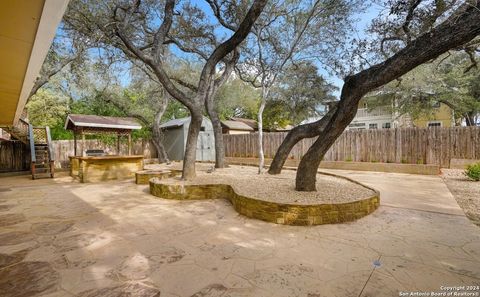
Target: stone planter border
column 279, row 213
column 142, row 177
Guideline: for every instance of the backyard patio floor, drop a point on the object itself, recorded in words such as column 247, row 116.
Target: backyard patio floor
column 62, row 238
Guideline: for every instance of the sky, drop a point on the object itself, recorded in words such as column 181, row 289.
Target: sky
column 363, row 19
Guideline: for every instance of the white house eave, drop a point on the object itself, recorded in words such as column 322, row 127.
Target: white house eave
column 52, row 14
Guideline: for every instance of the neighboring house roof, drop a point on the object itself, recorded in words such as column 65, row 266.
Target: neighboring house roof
column 175, row 123
column 252, row 123
column 94, row 121
column 234, row 125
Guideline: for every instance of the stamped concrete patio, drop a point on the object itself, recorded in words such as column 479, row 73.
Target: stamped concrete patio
column 62, row 238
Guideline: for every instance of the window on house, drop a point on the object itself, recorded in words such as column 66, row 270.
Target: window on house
column 372, row 126
column 386, row 125
column 356, row 125
column 202, row 129
column 434, row 124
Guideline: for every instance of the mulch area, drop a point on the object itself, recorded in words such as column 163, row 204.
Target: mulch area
column 465, row 191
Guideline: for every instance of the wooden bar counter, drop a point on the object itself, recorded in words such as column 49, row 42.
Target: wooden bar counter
column 103, row 168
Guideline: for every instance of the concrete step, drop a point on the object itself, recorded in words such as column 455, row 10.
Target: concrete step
column 42, row 170
column 42, row 175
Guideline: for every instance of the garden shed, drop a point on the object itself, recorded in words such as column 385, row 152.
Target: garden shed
column 175, row 139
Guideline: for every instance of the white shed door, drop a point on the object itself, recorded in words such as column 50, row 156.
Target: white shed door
column 203, row 147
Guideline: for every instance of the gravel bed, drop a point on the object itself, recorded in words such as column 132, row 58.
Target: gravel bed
column 277, row 188
column 465, row 191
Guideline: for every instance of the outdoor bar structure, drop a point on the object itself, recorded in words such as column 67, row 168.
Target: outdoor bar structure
column 95, row 165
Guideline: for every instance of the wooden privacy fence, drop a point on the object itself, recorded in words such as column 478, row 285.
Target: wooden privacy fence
column 405, row 145
column 434, row 145
column 14, row 156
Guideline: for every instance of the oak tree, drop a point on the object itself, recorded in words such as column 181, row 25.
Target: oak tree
column 412, row 33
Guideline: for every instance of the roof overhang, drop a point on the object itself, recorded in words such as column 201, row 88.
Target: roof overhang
column 27, row 29
column 71, row 123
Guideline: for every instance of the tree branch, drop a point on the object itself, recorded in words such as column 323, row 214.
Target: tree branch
column 184, row 83
column 156, row 68
column 162, row 32
column 230, row 44
column 217, row 13
column 229, row 67
column 408, row 19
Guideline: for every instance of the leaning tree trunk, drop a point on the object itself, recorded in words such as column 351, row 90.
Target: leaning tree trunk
column 157, row 135
column 461, row 27
column 217, row 132
column 294, row 136
column 191, row 146
column 307, row 169
column 161, row 152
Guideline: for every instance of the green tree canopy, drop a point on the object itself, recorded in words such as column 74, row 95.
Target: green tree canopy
column 300, row 93
column 449, row 81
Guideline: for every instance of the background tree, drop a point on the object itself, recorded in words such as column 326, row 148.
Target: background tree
column 143, row 32
column 237, row 99
column 95, row 88
column 64, row 52
column 286, row 32
column 301, row 93
column 48, row 108
column 415, row 34
column 445, row 81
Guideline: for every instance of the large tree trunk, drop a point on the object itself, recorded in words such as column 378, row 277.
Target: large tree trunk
column 161, row 152
column 460, row 28
column 157, row 135
column 307, row 169
column 191, row 146
column 294, row 136
column 217, row 131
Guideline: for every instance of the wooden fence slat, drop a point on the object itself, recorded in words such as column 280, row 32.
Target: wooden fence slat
column 435, row 145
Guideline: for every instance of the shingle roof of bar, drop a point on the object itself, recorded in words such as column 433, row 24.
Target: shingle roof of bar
column 94, row 121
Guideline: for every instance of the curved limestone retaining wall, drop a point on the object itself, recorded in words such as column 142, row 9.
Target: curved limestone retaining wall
column 279, row 213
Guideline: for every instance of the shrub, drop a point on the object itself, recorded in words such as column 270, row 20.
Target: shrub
column 473, row 171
